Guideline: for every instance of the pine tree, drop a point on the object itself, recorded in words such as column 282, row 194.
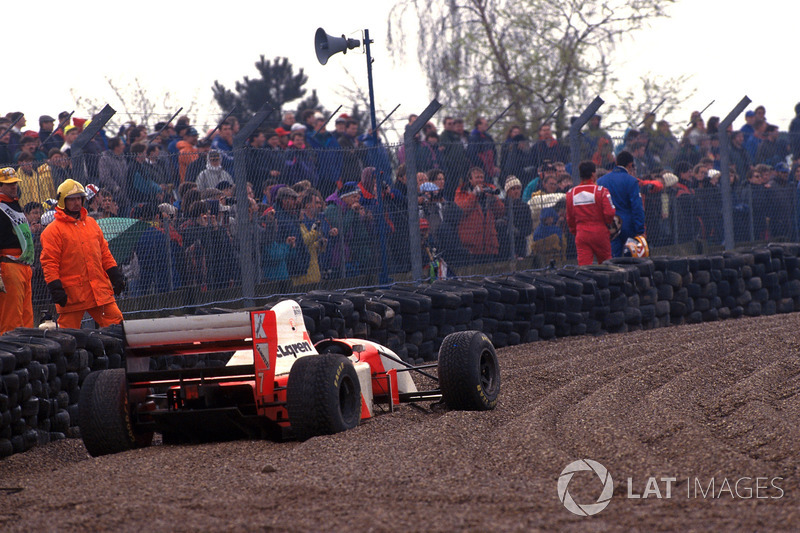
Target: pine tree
column 277, row 86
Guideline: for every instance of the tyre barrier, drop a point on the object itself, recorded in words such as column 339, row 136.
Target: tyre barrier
column 41, row 371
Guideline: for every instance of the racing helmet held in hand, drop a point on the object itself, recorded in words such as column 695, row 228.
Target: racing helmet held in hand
column 636, row 247
column 70, row 187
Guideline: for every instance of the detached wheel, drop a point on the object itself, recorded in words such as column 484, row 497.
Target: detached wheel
column 469, row 374
column 323, row 396
column 104, row 414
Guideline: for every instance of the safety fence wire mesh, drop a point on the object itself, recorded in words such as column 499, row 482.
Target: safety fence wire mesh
column 334, row 215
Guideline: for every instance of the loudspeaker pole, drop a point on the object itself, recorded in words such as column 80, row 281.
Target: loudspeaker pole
column 372, row 117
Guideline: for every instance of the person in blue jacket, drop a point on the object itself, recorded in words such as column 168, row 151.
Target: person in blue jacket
column 623, row 187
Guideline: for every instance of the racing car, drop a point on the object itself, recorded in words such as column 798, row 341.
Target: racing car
column 277, row 384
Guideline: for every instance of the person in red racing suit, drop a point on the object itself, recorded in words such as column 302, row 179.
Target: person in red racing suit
column 589, row 210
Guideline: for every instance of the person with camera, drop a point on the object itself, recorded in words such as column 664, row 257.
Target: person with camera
column 482, row 208
column 317, row 235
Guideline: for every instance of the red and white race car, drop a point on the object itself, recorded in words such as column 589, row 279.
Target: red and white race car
column 277, row 383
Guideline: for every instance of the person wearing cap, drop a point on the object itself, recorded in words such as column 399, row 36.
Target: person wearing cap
column 327, row 149
column 521, row 218
column 344, row 211
column 81, row 274
column 340, row 126
column 589, row 212
column 283, row 138
column 70, row 134
column 287, row 256
column 187, row 153
column 17, row 256
column 46, row 127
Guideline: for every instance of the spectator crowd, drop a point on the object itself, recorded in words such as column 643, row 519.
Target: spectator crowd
column 325, row 204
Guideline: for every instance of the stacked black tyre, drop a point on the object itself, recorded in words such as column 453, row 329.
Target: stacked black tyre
column 41, row 373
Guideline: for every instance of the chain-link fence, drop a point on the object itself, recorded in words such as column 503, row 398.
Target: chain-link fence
column 328, row 212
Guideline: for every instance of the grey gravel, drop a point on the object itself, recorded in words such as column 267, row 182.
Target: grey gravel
column 716, row 400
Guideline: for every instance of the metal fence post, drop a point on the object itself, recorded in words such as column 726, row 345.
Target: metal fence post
column 725, row 182
column 574, row 136
column 414, row 243
column 98, row 121
column 243, row 223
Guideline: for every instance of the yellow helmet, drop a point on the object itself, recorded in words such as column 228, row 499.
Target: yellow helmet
column 69, row 188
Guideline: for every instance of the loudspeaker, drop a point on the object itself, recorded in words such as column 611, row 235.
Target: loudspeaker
column 327, row 45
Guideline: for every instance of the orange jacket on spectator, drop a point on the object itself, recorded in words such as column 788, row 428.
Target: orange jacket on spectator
column 187, row 155
column 76, row 252
column 476, row 229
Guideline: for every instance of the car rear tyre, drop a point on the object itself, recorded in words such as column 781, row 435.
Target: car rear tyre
column 323, row 396
column 104, row 415
column 469, row 373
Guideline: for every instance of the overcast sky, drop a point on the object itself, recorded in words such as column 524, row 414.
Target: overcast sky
column 731, row 48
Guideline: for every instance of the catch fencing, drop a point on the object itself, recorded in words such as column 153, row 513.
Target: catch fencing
column 344, row 226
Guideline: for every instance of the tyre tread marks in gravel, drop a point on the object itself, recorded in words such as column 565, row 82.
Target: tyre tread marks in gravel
column 323, row 396
column 104, row 417
column 469, row 373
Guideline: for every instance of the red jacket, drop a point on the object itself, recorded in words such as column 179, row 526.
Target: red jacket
column 476, row 229
column 589, row 205
column 76, row 252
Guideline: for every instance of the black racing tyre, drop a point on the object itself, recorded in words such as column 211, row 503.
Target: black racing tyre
column 469, row 372
column 8, row 362
column 323, row 396
column 105, row 414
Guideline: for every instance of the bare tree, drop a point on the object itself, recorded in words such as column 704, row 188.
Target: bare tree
column 482, row 55
column 133, row 103
column 654, row 93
